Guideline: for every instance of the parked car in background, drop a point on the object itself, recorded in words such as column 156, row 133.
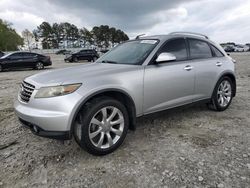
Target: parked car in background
column 24, row 60
column 1, row 54
column 64, row 52
column 97, row 103
column 239, row 49
column 104, row 51
column 88, row 54
column 229, row 49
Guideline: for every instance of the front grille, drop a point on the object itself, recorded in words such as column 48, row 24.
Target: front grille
column 26, row 91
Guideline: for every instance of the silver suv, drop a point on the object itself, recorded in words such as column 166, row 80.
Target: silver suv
column 97, row 103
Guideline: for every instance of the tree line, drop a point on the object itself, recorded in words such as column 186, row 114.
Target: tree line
column 60, row 34
column 53, row 35
column 9, row 39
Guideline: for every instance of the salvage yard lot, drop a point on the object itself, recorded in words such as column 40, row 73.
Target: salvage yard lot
column 183, row 147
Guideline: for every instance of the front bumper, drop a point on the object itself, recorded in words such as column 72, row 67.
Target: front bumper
column 52, row 117
column 35, row 129
column 68, row 58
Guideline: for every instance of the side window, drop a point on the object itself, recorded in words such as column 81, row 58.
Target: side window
column 16, row 56
column 217, row 53
column 199, row 49
column 28, row 55
column 176, row 47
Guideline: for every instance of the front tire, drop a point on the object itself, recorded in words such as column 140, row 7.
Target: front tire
column 101, row 126
column 1, row 68
column 222, row 94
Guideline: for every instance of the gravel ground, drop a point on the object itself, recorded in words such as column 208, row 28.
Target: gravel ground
column 191, row 147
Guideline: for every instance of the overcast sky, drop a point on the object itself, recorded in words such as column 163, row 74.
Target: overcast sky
column 222, row 20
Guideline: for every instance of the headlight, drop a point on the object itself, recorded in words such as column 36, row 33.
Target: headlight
column 55, row 91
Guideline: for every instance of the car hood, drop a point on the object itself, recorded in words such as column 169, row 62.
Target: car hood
column 77, row 74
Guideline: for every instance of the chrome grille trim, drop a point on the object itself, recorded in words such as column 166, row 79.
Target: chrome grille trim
column 26, row 91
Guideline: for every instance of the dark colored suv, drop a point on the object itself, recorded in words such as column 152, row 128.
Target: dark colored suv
column 24, row 60
column 89, row 55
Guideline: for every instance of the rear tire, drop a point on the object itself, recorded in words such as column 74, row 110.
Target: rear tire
column 101, row 126
column 1, row 68
column 75, row 59
column 39, row 66
column 222, row 95
column 94, row 59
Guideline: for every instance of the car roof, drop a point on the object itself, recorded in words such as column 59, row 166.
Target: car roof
column 183, row 35
column 169, row 36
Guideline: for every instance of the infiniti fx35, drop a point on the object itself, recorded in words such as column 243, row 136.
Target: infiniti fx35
column 97, row 103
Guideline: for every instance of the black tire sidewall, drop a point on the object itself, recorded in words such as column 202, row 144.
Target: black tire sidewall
column 214, row 98
column 88, row 112
column 75, row 59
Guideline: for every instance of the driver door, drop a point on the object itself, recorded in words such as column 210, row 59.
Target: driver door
column 14, row 61
column 169, row 84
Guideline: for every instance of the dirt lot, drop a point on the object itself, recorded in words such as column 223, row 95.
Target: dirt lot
column 191, row 147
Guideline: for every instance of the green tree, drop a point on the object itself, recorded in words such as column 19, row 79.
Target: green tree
column 45, row 32
column 58, row 34
column 104, row 36
column 86, row 36
column 9, row 39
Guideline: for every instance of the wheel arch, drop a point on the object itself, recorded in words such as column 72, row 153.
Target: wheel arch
column 233, row 79
column 118, row 94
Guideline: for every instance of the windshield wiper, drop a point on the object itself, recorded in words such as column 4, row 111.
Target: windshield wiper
column 107, row 61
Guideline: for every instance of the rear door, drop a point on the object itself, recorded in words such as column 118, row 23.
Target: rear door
column 207, row 66
column 83, row 55
column 169, row 84
column 29, row 59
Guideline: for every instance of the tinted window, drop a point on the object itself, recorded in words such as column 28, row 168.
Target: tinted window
column 16, row 55
column 176, row 47
column 217, row 53
column 29, row 55
column 199, row 49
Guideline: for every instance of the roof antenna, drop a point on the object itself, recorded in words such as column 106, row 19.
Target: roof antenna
column 138, row 36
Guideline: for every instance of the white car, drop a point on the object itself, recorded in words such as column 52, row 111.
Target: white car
column 240, row 49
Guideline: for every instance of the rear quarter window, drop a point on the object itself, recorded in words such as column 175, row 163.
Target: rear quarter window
column 216, row 52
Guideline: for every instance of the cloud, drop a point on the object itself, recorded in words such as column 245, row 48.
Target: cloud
column 222, row 20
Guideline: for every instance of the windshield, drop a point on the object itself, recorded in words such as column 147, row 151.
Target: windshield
column 132, row 52
column 6, row 55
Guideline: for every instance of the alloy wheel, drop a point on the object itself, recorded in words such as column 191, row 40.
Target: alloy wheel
column 224, row 93
column 39, row 66
column 106, row 127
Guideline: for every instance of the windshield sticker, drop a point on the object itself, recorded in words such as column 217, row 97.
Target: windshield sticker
column 149, row 41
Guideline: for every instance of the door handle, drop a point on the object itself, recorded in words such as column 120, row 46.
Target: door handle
column 188, row 68
column 218, row 64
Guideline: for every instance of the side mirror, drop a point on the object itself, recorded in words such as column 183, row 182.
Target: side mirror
column 165, row 57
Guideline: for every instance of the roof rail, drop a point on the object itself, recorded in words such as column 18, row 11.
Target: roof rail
column 138, row 36
column 188, row 33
